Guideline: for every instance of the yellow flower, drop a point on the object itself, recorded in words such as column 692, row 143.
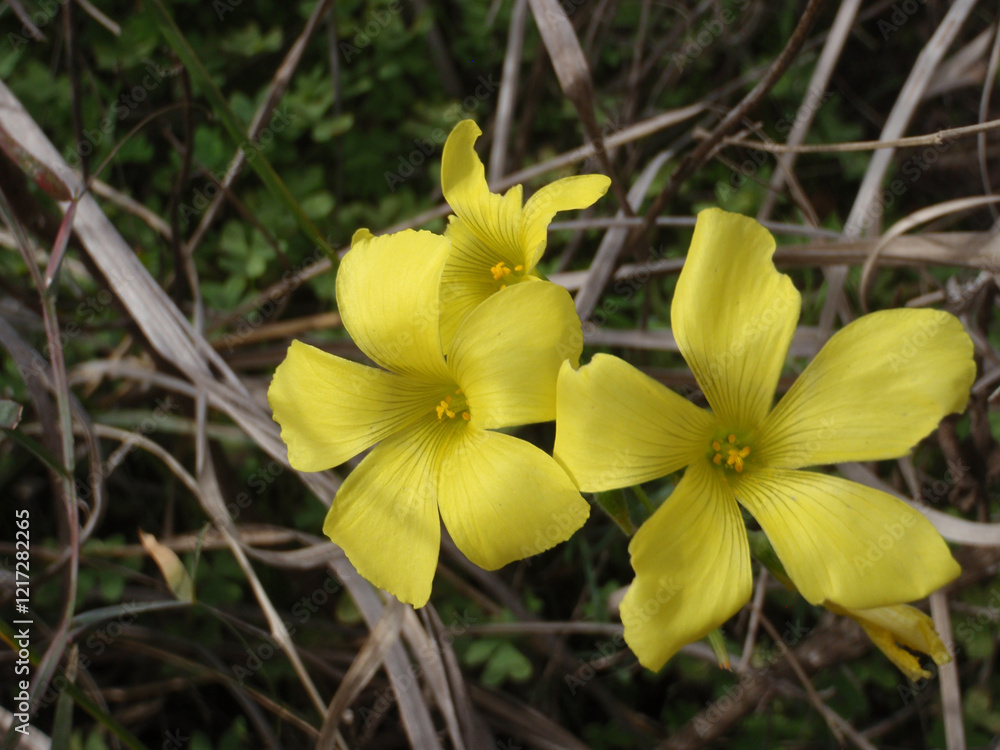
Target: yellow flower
column 496, row 241
column 899, row 625
column 877, row 387
column 890, row 627
column 431, row 418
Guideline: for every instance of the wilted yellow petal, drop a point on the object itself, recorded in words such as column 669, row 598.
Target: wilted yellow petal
column 385, row 514
column 733, row 316
column 170, row 565
column 387, row 292
column 331, row 409
column 877, row 387
column 507, row 354
column 617, row 427
column 843, row 542
column 692, row 568
column 899, row 625
column 502, row 499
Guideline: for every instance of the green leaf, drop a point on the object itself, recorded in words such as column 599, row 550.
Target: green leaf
column 718, row 644
column 506, row 663
column 236, row 129
column 614, row 504
column 332, row 127
column 10, row 414
column 480, row 651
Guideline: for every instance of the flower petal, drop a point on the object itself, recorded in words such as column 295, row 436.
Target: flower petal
column 502, row 499
column 890, row 628
column 617, row 427
column 387, row 291
column 507, row 354
column 467, row 278
column 331, row 409
column 733, row 316
column 878, row 386
column 385, row 515
column 843, row 542
column 493, row 219
column 567, row 194
column 692, row 568
column 485, row 230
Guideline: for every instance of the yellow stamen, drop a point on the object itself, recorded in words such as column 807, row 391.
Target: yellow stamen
column 518, row 268
column 451, row 405
column 500, row 270
column 731, row 454
column 443, row 409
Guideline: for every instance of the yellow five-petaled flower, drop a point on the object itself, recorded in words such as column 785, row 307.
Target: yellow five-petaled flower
column 432, row 417
column 496, row 240
column 877, row 387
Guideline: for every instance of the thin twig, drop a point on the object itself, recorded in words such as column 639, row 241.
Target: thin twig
column 931, row 139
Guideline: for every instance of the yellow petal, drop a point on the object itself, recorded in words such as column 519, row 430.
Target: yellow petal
column 843, row 542
column 567, row 194
column 467, row 279
column 733, row 316
column 485, row 230
column 331, row 409
column 692, row 568
column 507, row 354
column 617, row 427
column 385, row 515
column 502, row 499
column 387, row 291
column 878, row 386
column 899, row 625
column 493, row 219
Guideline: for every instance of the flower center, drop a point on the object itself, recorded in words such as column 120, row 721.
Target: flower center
column 502, row 273
column 729, row 452
column 453, row 405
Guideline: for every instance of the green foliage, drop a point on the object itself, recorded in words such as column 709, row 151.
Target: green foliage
column 359, row 146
